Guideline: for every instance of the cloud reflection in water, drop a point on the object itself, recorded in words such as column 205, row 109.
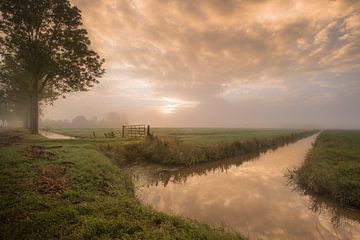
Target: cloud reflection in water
column 253, row 198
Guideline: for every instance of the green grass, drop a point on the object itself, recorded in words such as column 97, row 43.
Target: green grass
column 215, row 135
column 78, row 193
column 172, row 152
column 189, row 135
column 332, row 167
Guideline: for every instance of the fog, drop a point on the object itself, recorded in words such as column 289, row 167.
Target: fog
column 111, row 120
column 223, row 63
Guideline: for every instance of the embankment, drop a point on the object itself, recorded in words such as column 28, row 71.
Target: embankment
column 332, row 168
column 174, row 153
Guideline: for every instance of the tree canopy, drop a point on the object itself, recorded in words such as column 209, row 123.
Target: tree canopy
column 45, row 52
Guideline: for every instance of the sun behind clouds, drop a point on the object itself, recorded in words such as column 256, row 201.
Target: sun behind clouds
column 171, row 105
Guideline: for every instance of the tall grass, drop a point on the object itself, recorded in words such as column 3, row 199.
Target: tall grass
column 176, row 153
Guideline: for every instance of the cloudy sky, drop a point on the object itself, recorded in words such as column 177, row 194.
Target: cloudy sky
column 223, row 63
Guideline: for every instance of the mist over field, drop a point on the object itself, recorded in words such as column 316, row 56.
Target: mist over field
column 111, row 120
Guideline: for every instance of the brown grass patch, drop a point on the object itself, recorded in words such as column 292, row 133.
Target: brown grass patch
column 104, row 186
column 53, row 180
column 38, row 152
column 8, row 138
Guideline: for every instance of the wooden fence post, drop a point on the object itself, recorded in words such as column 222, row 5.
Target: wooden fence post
column 122, row 131
column 148, row 130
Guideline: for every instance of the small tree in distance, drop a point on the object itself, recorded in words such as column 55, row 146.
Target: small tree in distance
column 114, row 119
column 111, row 120
column 45, row 52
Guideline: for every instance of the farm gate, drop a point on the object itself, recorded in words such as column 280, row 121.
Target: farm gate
column 140, row 130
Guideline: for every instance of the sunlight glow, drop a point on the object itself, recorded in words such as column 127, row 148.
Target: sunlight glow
column 171, row 105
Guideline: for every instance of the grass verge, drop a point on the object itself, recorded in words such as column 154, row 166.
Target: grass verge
column 67, row 189
column 332, row 168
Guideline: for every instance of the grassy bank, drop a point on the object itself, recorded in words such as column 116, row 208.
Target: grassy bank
column 332, row 168
column 69, row 190
column 177, row 153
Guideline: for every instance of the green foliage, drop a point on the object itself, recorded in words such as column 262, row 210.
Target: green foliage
column 44, row 52
column 46, row 40
column 97, row 203
column 332, row 168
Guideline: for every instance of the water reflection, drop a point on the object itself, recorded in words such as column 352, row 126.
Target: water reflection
column 180, row 176
column 337, row 214
column 51, row 135
column 252, row 197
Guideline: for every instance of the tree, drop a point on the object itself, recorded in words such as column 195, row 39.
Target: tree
column 114, row 119
column 5, row 107
column 80, row 122
column 45, row 52
column 13, row 92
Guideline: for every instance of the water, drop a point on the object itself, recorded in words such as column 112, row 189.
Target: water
column 253, row 198
column 51, row 135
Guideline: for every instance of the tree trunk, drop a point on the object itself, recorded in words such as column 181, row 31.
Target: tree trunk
column 26, row 113
column 26, row 119
column 34, row 108
column 27, row 116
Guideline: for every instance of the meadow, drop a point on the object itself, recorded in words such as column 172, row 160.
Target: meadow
column 188, row 135
column 332, row 168
column 175, row 152
column 68, row 189
column 186, row 147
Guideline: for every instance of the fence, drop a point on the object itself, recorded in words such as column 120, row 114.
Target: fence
column 137, row 131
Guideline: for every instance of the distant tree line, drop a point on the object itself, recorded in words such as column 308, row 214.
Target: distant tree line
column 112, row 120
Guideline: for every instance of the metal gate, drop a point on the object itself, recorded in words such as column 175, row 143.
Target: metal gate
column 137, row 131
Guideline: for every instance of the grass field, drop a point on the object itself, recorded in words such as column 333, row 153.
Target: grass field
column 189, row 135
column 68, row 189
column 189, row 146
column 332, row 168
column 168, row 152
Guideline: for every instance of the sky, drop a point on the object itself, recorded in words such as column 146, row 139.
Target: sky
column 223, row 63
